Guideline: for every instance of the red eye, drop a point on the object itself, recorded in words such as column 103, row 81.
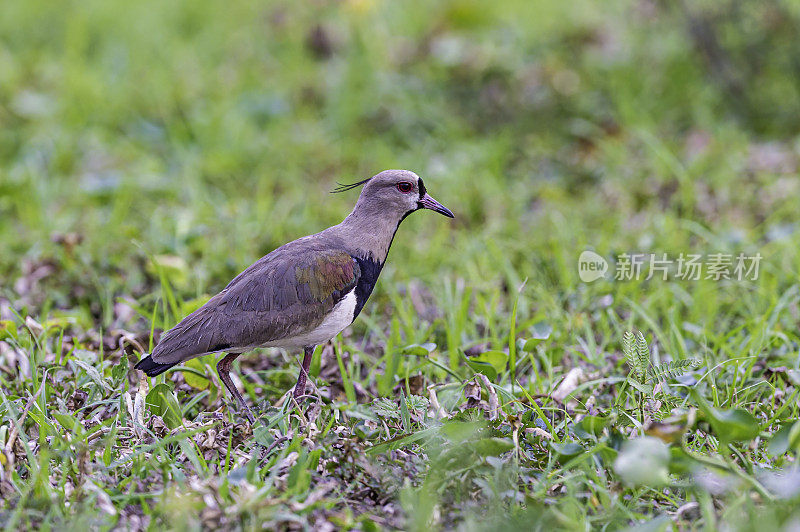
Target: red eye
column 405, row 187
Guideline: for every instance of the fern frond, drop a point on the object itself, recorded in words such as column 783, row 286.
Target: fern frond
column 668, row 397
column 671, row 370
column 642, row 355
column 629, row 349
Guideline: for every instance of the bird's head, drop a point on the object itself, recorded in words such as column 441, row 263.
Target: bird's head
column 394, row 194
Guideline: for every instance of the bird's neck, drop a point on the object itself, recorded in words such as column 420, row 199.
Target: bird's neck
column 369, row 236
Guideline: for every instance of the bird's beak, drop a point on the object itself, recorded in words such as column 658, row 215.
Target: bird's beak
column 427, row 202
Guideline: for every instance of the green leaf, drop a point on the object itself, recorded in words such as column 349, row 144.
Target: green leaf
column 119, row 371
column 592, row 424
column 681, row 463
column 490, row 363
column 629, row 349
column 646, row 389
column 67, row 421
column 404, row 414
column 785, row 440
column 540, row 331
column 735, row 424
column 642, row 355
column 299, row 478
column 108, row 451
column 483, row 367
column 403, row 439
column 566, row 451
column 8, row 329
column 417, row 403
column 643, row 462
column 262, row 436
column 418, row 350
column 671, row 370
column 493, row 446
column 58, row 323
column 193, row 379
column 93, row 374
column 386, row 408
column 363, row 432
column 162, row 402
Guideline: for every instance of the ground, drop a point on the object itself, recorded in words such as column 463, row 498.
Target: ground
column 150, row 151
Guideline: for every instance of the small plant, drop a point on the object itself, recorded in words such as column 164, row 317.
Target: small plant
column 411, row 409
column 649, row 380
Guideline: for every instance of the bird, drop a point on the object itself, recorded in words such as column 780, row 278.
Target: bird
column 303, row 293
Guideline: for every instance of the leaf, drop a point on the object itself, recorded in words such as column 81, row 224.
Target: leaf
column 363, row 432
column 643, row 462
column 786, row 439
column 162, row 402
column 404, row 415
column 642, row 355
column 735, row 424
column 418, row 350
column 92, row 372
column 119, row 371
column 8, row 329
column 629, row 349
column 417, row 403
column 681, row 463
column 540, row 331
column 403, row 439
column 646, row 389
column 386, row 408
column 671, row 370
column 262, row 436
column 566, row 451
column 193, row 379
column 483, row 368
column 58, row 323
column 496, row 360
column 592, row 424
column 67, row 421
column 299, row 478
column 493, row 446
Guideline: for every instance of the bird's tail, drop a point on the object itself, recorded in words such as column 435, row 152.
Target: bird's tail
column 151, row 367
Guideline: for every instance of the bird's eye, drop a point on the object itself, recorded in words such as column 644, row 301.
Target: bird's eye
column 405, row 187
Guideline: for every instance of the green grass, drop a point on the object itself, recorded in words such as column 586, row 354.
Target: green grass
column 149, row 152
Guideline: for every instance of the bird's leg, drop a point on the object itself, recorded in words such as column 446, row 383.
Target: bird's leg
column 300, row 387
column 224, row 370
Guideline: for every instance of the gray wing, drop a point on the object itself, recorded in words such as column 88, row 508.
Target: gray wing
column 285, row 293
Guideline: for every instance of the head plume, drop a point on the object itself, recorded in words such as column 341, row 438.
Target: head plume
column 344, row 188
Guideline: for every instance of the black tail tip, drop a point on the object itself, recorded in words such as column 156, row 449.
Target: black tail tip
column 151, row 367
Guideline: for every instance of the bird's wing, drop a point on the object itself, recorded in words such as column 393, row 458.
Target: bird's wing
column 286, row 293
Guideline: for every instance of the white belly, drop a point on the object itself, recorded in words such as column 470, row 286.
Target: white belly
column 333, row 324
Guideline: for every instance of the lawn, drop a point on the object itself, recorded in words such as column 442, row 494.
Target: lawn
column 150, row 151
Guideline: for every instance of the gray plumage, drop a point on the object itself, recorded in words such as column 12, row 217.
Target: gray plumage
column 262, row 305
column 303, row 293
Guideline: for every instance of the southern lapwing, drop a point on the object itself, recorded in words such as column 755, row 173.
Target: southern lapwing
column 305, row 292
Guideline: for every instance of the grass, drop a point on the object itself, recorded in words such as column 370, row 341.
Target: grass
column 149, row 152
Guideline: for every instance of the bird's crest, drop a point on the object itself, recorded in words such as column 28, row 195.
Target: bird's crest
column 344, row 188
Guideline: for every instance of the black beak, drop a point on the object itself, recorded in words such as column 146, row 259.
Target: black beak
column 427, row 202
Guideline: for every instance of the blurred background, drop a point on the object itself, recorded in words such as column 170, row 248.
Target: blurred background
column 151, row 150
column 200, row 135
